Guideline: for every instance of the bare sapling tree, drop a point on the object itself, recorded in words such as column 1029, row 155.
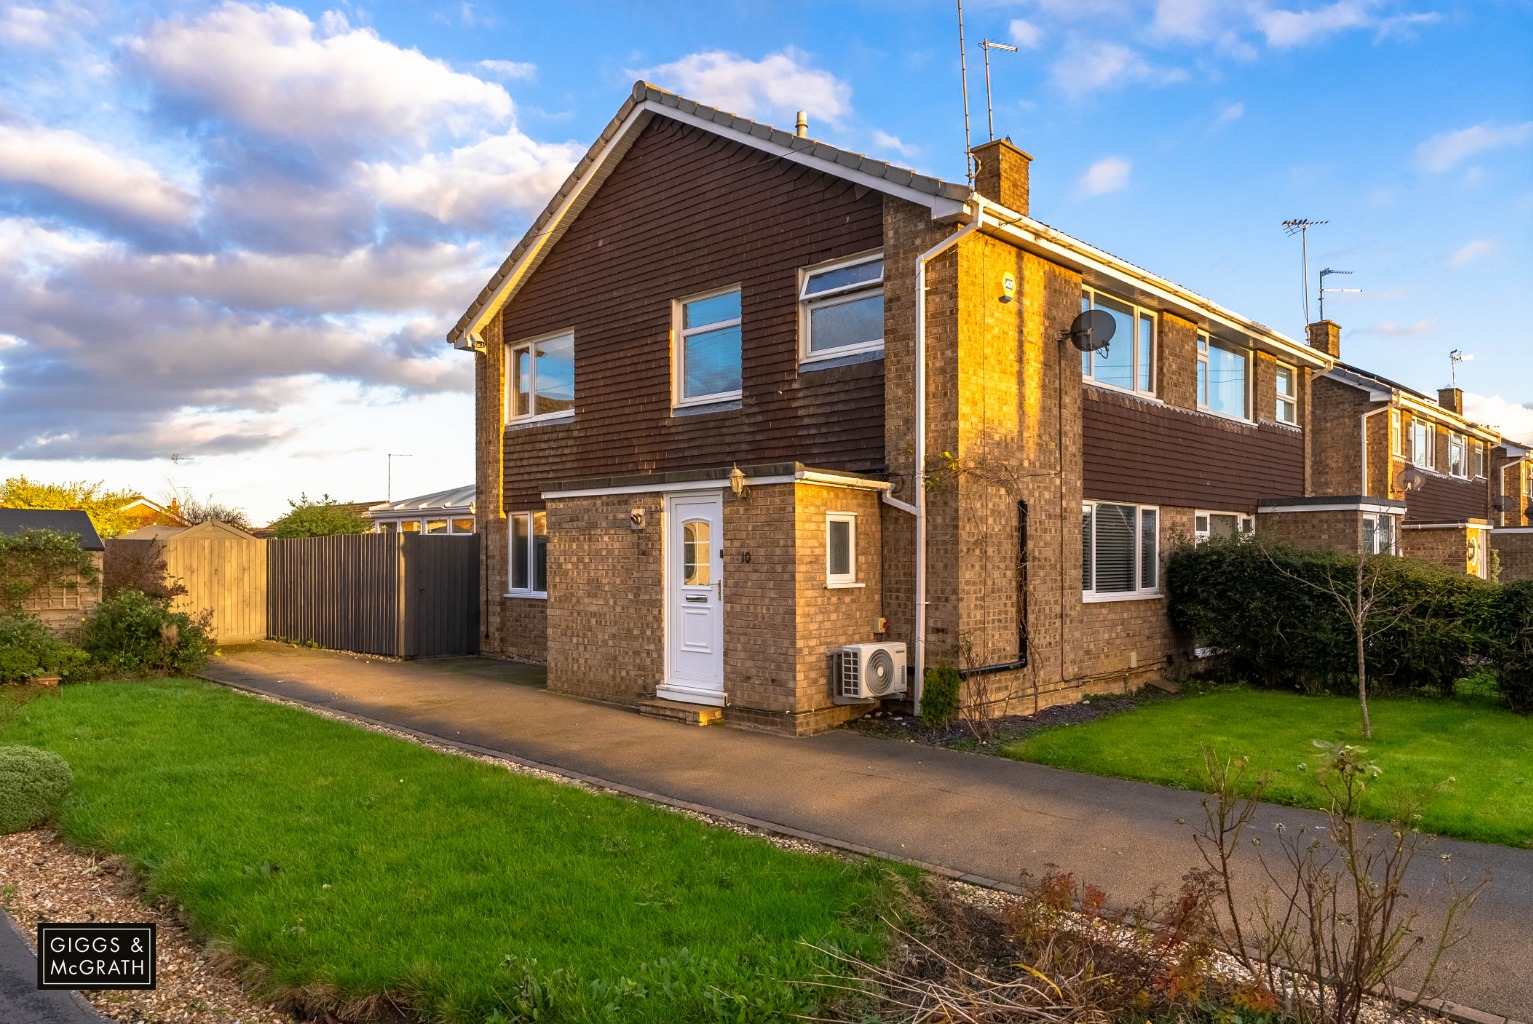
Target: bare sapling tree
column 1364, row 592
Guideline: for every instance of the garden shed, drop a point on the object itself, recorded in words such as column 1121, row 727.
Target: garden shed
column 224, row 571
column 64, row 607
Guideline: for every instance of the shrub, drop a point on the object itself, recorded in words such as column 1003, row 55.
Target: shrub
column 1514, row 645
column 939, row 695
column 27, row 650
column 138, row 565
column 1251, row 601
column 32, row 782
column 134, row 634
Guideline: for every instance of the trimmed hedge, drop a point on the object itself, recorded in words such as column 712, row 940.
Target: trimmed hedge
column 32, row 782
column 1514, row 645
column 1251, row 601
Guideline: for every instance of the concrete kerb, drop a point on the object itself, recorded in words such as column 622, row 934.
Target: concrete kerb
column 1447, row 1008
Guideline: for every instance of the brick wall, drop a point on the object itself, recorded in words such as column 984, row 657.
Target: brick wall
column 1514, row 547
column 1441, row 545
column 1336, row 441
column 1322, row 531
column 1176, row 375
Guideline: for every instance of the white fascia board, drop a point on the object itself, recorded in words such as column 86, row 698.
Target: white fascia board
column 1512, row 529
column 802, row 477
column 1376, row 508
column 1446, row 526
column 856, row 483
column 1449, row 418
column 1088, row 259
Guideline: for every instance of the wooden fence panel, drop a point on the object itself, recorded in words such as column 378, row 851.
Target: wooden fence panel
column 340, row 592
column 225, row 576
column 442, row 602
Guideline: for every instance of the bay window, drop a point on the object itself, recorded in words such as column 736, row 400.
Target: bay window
column 1128, row 361
column 1120, row 551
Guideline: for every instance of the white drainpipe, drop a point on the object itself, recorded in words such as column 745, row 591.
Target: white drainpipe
column 920, row 454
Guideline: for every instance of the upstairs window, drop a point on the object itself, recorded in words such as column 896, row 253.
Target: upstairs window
column 1423, row 444
column 1287, row 394
column 708, row 348
column 540, row 378
column 1120, row 551
column 1477, row 459
column 1458, row 462
column 1128, row 362
column 842, row 308
column 1222, row 374
column 1396, row 434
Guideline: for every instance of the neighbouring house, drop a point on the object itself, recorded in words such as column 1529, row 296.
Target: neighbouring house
column 1512, row 508
column 745, row 399
column 141, row 512
column 1392, row 470
column 437, row 514
column 64, row 607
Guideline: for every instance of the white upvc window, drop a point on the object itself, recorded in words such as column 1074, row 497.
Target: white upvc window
column 841, row 308
column 1380, row 534
column 1458, row 461
column 528, row 554
column 707, row 348
column 1477, row 459
column 1423, row 444
column 841, row 549
column 1221, row 525
column 1128, row 361
column 1224, row 374
column 1396, row 434
column 1287, row 394
column 540, row 378
column 1120, row 551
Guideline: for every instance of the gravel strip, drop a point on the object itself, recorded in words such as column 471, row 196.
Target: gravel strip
column 43, row 878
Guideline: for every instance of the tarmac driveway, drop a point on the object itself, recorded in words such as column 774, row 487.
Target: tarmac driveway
column 972, row 813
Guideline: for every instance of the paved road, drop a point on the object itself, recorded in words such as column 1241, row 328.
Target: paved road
column 974, row 813
column 20, row 1000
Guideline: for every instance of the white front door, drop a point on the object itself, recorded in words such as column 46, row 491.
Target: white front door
column 694, row 599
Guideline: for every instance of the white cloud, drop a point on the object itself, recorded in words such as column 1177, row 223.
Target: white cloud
column 273, row 70
column 892, row 144
column 477, row 185
column 1513, row 419
column 1396, row 329
column 1025, row 34
column 68, row 164
column 26, row 26
column 1195, row 20
column 1402, row 26
column 1469, row 252
column 511, row 70
column 1108, row 174
column 1446, row 151
column 774, row 87
column 1229, row 115
column 1089, row 65
column 1295, row 28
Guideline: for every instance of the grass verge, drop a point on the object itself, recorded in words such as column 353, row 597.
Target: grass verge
column 1487, row 750
column 353, row 869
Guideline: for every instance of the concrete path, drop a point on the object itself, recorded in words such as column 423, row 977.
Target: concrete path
column 21, row 1002
column 973, row 813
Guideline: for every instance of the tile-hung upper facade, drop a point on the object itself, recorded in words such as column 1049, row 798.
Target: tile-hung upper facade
column 697, row 407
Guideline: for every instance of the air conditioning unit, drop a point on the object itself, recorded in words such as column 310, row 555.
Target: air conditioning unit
column 866, row 672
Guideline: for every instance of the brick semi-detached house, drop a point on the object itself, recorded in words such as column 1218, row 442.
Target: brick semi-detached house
column 706, row 457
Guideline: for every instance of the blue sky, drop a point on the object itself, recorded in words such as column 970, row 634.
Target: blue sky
column 239, row 231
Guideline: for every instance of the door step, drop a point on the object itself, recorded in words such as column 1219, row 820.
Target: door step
column 676, row 711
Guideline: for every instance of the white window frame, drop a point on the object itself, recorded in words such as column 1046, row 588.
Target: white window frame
column 1460, row 442
column 1424, row 457
column 1289, row 399
column 1201, row 530
column 847, row 580
column 529, row 590
column 1378, row 519
column 1397, row 434
column 1476, row 458
column 680, row 333
column 834, row 297
column 1141, row 592
column 1205, row 342
column 508, row 400
column 1088, row 301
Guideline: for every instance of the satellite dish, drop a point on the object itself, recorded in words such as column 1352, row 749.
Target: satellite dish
column 1092, row 330
column 1502, row 504
column 1409, row 479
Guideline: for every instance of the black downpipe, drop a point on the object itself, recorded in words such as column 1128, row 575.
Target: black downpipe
column 1022, row 642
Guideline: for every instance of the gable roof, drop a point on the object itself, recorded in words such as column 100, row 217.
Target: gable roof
column 1381, row 388
column 945, row 199
column 14, row 521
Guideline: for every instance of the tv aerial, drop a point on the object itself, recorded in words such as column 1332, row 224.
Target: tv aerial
column 1300, row 226
column 178, row 458
column 1324, row 291
column 1092, row 330
column 1454, row 358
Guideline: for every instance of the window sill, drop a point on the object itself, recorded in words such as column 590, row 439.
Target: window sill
column 538, row 421
column 1248, row 421
column 531, row 595
column 1144, row 595
column 840, row 357
column 1143, row 396
column 706, row 408
column 845, row 586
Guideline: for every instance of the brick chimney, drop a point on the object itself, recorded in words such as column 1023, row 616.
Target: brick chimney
column 1002, row 175
column 1326, row 336
column 1451, row 399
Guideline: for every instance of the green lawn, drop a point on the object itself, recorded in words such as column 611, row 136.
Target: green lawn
column 1417, row 743
column 348, row 862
